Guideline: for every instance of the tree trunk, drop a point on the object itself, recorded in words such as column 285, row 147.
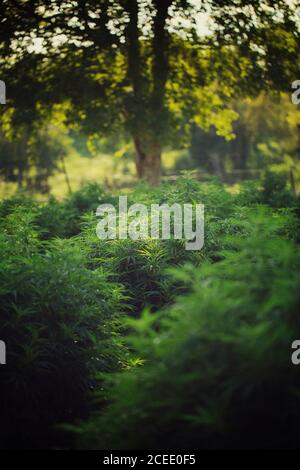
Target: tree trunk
column 148, row 161
column 241, row 146
column 146, row 125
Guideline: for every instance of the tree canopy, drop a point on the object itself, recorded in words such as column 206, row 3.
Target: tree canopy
column 144, row 68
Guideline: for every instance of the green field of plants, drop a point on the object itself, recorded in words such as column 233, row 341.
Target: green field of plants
column 149, row 229
column 122, row 344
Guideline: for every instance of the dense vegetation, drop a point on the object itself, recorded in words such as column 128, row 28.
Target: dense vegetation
column 129, row 344
column 126, row 344
column 149, row 73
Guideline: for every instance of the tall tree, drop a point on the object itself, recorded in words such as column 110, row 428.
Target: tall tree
column 141, row 65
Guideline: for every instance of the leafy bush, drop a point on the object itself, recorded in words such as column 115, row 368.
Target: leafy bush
column 250, row 193
column 141, row 265
column 275, row 192
column 19, row 200
column 63, row 219
column 56, row 219
column 217, row 367
column 272, row 190
column 207, row 356
column 59, row 321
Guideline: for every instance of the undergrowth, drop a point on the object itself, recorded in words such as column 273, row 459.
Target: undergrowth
column 143, row 344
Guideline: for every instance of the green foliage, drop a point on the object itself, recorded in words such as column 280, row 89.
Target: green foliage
column 217, row 372
column 64, row 219
column 275, row 192
column 59, row 320
column 147, row 80
column 272, row 190
column 202, row 358
column 141, row 266
column 19, row 200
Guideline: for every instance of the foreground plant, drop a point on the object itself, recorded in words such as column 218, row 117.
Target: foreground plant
column 59, row 321
column 214, row 370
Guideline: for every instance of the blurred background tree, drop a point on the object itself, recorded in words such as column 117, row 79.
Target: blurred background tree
column 266, row 135
column 150, row 71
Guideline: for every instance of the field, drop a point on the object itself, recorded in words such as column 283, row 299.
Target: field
column 142, row 344
column 149, row 227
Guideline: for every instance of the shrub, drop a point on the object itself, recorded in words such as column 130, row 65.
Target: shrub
column 57, row 219
column 271, row 190
column 141, row 265
column 209, row 363
column 216, row 371
column 63, row 219
column 250, row 193
column 275, row 192
column 59, row 320
column 18, row 201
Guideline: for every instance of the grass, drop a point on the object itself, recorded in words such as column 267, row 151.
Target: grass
column 104, row 169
